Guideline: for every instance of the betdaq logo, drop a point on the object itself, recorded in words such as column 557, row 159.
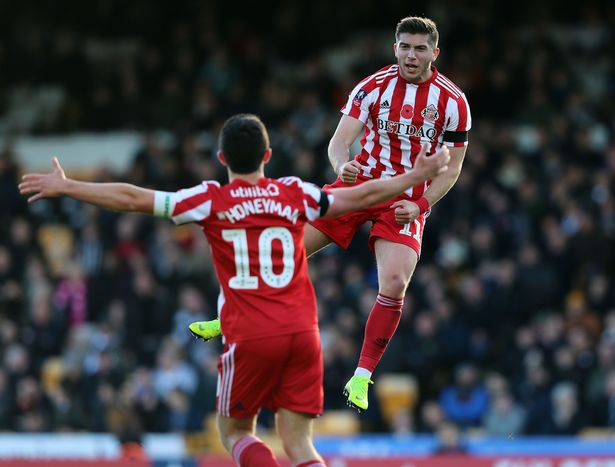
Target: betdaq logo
column 405, row 129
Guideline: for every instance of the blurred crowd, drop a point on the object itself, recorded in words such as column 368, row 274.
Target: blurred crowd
column 509, row 321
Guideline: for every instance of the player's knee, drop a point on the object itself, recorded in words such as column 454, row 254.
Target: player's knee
column 232, row 430
column 394, row 285
column 228, row 436
column 297, row 447
column 225, row 438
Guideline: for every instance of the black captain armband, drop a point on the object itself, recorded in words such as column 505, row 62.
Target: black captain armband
column 455, row 136
column 324, row 202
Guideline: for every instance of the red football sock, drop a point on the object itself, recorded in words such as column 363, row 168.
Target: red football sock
column 249, row 451
column 380, row 327
column 312, row 463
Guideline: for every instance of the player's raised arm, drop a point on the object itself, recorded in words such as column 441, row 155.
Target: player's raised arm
column 115, row 196
column 378, row 191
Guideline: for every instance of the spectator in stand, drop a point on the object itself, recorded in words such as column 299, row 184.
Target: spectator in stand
column 432, row 417
column 566, row 417
column 603, row 408
column 449, row 440
column 596, row 380
column 465, row 402
column 504, row 417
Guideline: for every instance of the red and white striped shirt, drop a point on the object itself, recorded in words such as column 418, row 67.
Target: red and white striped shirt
column 256, row 237
column 400, row 116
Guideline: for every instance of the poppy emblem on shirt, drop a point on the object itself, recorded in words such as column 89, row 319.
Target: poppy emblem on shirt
column 407, row 111
column 359, row 96
column 430, row 113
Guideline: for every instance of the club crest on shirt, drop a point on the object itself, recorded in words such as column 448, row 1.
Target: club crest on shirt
column 430, row 113
column 359, row 96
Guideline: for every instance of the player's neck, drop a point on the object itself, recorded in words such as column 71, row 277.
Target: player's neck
column 426, row 77
column 252, row 177
column 422, row 78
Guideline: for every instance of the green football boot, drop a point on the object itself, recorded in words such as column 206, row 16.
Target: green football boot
column 206, row 329
column 356, row 392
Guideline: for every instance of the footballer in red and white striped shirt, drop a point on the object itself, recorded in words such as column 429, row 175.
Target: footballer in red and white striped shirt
column 399, row 115
column 399, row 108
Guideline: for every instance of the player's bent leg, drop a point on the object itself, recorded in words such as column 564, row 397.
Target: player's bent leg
column 237, row 435
column 232, row 429
column 295, row 431
column 206, row 330
column 396, row 264
column 314, row 239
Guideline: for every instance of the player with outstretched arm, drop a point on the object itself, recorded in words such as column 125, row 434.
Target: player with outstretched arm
column 255, row 226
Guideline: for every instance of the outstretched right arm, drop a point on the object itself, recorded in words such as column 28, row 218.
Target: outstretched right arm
column 116, row 196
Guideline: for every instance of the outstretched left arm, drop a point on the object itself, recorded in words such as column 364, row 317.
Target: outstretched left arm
column 115, row 196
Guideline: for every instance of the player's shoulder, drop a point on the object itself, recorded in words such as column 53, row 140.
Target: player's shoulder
column 379, row 78
column 290, row 181
column 385, row 70
column 306, row 188
column 210, row 184
column 206, row 186
column 447, row 86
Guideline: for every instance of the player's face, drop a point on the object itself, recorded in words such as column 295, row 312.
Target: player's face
column 415, row 56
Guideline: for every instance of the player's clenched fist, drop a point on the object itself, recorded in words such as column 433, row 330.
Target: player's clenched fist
column 348, row 172
column 405, row 211
column 433, row 165
column 428, row 166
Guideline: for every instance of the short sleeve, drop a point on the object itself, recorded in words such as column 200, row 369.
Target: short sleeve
column 193, row 204
column 458, row 122
column 316, row 201
column 360, row 101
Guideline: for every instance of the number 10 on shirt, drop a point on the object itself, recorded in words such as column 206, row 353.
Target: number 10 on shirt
column 242, row 279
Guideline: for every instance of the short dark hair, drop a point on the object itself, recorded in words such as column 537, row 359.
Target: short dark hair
column 418, row 25
column 243, row 142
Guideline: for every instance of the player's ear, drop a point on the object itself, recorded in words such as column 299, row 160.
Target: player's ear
column 267, row 155
column 436, row 52
column 221, row 158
